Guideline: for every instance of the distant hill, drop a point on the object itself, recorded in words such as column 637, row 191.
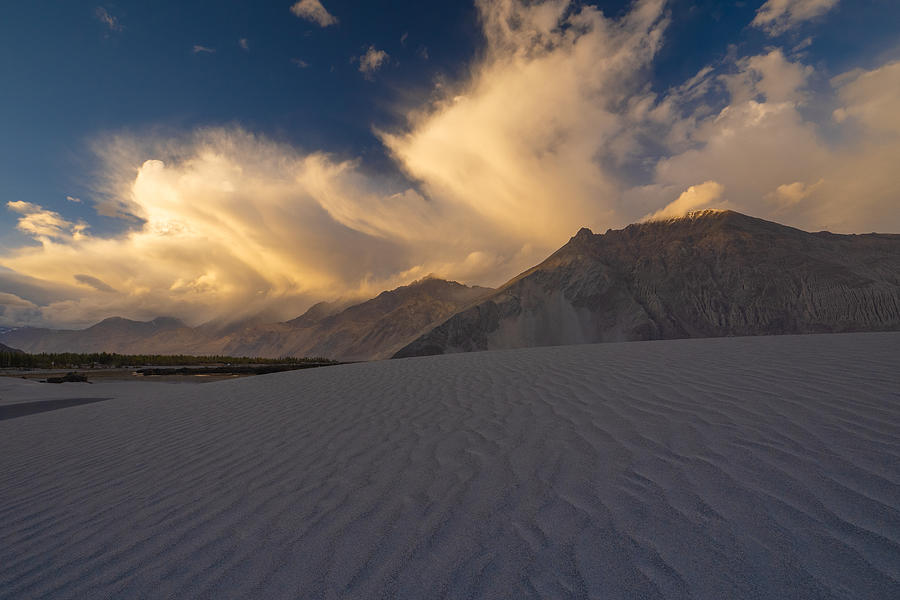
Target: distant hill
column 710, row 273
column 4, row 348
column 373, row 329
column 114, row 334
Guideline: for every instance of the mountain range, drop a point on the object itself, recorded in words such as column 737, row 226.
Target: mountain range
column 711, row 273
column 707, row 274
column 374, row 329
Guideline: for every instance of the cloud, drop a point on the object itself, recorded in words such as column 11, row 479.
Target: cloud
column 312, row 10
column 107, row 19
column 531, row 142
column 44, row 225
column 17, row 311
column 697, row 197
column 779, row 159
column 777, row 16
column 790, row 194
column 97, row 284
column 302, row 64
column 12, row 300
column 203, row 49
column 244, row 44
column 372, row 60
column 73, row 199
column 870, row 98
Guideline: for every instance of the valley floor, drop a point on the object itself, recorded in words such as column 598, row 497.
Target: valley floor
column 764, row 467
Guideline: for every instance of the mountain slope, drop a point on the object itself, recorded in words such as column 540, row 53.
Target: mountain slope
column 711, row 273
column 373, row 329
column 5, row 348
column 370, row 330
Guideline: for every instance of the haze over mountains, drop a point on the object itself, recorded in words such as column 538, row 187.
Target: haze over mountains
column 708, row 274
column 373, row 329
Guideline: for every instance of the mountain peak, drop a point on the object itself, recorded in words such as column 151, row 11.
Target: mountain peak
column 707, row 273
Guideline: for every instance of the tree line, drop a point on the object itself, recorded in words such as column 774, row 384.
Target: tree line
column 77, row 360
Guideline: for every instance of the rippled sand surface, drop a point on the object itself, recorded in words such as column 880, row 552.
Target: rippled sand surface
column 722, row 468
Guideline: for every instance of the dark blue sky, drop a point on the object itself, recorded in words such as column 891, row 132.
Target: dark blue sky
column 68, row 78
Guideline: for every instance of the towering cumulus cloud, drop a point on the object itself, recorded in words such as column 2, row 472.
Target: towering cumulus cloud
column 557, row 127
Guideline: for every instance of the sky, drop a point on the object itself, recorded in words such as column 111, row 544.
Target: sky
column 230, row 160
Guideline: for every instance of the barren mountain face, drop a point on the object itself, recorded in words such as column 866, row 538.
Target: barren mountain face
column 709, row 274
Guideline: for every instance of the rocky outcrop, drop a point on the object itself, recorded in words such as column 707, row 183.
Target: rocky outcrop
column 709, row 274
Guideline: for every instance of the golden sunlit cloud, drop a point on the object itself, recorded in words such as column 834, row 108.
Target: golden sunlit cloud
column 697, row 197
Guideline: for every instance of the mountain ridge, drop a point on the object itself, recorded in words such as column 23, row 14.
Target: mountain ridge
column 342, row 329
column 706, row 274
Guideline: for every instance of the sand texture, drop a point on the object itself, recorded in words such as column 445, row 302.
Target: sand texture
column 764, row 467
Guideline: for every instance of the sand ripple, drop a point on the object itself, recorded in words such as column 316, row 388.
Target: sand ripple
column 725, row 468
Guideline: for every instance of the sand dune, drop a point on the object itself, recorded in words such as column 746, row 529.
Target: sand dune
column 722, row 468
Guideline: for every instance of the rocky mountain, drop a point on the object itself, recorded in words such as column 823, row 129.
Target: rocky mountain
column 708, row 274
column 373, row 329
column 4, row 348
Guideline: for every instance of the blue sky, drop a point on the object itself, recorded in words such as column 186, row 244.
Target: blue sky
column 370, row 92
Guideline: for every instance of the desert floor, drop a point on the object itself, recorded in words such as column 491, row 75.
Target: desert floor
column 722, row 468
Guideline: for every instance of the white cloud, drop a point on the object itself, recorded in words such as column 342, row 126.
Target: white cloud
column 73, row 199
column 203, row 49
column 777, row 16
column 790, row 194
column 244, row 44
column 107, row 19
column 526, row 141
column 302, row 64
column 44, row 225
column 871, row 98
column 372, row 60
column 312, row 10
column 697, row 197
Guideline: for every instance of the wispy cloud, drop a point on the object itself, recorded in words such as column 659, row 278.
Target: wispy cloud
column 777, row 16
column 371, row 61
column 302, row 64
column 198, row 49
column 312, row 10
column 97, row 284
column 73, row 199
column 107, row 19
column 244, row 44
column 45, row 225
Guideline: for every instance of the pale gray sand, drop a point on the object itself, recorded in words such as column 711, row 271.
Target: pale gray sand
column 723, row 468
